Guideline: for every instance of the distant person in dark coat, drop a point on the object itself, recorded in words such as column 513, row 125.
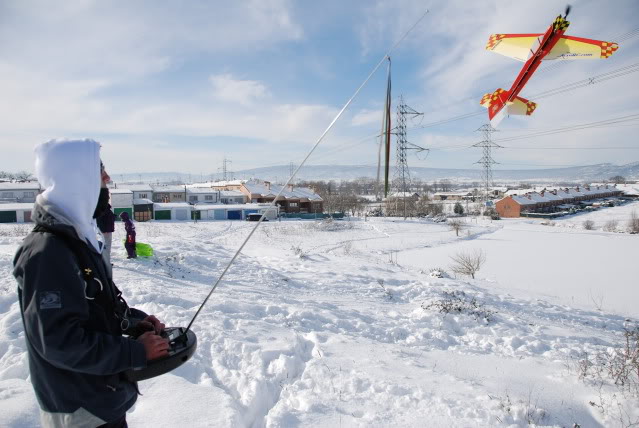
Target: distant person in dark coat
column 104, row 216
column 129, row 244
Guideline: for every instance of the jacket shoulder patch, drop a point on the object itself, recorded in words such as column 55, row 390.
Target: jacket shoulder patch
column 50, row 300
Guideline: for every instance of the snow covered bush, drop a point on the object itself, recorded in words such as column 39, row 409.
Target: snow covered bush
column 456, row 225
column 458, row 302
column 468, row 263
column 437, row 273
column 329, row 225
column 588, row 224
column 618, row 364
column 616, row 368
column 611, row 225
column 633, row 223
column 298, row 251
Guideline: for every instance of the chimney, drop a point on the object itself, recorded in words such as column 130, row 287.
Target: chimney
column 267, row 184
column 290, row 187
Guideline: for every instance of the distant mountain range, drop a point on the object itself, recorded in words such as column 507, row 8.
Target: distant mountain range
column 590, row 173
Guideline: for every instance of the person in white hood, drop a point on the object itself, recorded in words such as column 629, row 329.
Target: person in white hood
column 81, row 336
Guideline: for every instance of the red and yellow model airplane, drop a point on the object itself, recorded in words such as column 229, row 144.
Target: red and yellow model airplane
column 532, row 49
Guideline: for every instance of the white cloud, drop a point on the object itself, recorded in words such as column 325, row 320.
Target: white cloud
column 228, row 88
column 367, row 117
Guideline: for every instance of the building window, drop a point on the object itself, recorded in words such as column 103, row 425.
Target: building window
column 208, row 197
column 142, row 196
column 192, row 198
column 7, row 194
column 29, row 194
column 292, row 204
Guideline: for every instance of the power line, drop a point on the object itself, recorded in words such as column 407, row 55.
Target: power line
column 587, row 125
column 620, row 72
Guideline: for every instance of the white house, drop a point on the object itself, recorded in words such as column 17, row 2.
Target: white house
column 232, row 197
column 122, row 200
column 172, row 211
column 15, row 212
column 202, row 195
column 19, row 192
column 140, row 191
column 233, row 212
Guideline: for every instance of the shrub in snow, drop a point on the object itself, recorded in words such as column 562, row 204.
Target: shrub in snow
column 633, row 223
column 329, row 225
column 457, row 302
column 611, row 225
column 458, row 209
column 437, row 273
column 298, row 251
column 468, row 263
column 617, row 367
column 588, row 224
column 456, row 225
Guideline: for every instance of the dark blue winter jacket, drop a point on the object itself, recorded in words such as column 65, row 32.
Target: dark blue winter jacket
column 77, row 352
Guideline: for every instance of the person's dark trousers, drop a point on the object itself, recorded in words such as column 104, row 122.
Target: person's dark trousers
column 130, row 250
column 120, row 423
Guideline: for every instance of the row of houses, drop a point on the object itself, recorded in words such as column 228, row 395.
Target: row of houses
column 216, row 201
column 547, row 201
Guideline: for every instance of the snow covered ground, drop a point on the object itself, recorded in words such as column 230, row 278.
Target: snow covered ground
column 337, row 324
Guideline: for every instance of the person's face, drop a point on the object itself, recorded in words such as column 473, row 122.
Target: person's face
column 105, row 175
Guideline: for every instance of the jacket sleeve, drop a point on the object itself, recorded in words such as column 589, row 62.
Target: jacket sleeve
column 56, row 315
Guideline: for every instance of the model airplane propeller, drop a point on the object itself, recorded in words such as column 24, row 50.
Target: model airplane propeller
column 532, row 49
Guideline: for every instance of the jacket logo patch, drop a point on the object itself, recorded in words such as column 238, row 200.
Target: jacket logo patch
column 50, row 300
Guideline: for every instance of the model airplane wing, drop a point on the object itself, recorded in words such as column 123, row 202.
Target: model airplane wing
column 569, row 47
column 517, row 46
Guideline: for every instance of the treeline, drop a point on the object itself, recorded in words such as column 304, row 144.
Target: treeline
column 17, row 176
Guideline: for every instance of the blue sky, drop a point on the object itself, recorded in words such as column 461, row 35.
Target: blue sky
column 168, row 86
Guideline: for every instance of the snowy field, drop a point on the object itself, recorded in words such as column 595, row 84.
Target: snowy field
column 337, row 324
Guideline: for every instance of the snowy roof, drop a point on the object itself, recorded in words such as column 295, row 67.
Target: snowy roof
column 629, row 189
column 168, row 189
column 168, row 205
column 453, row 194
column 234, row 193
column 138, row 187
column 533, row 198
column 142, row 201
column 120, row 191
column 227, row 183
column 31, row 185
column 206, row 207
column 296, row 193
column 16, row 206
column 200, row 190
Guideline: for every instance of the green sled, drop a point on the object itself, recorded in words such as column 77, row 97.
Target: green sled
column 142, row 249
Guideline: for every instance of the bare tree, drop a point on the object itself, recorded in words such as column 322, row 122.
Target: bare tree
column 589, row 224
column 23, row 176
column 467, row 263
column 456, row 225
column 618, row 179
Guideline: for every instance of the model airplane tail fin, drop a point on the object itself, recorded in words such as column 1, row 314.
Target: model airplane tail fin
column 499, row 107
